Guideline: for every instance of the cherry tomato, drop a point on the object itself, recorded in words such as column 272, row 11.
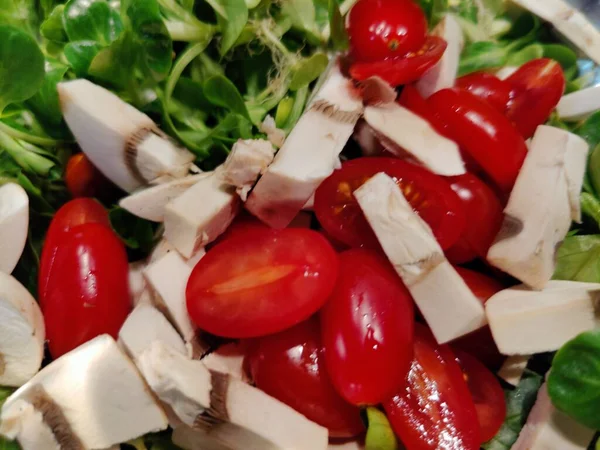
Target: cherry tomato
column 82, row 178
column 71, row 214
column 380, row 29
column 290, row 366
column 429, row 195
column 536, row 89
column 402, row 70
column 435, row 410
column 484, row 218
column 367, row 327
column 87, row 293
column 487, row 87
column 261, row 281
column 483, row 132
column 487, row 394
column 411, row 99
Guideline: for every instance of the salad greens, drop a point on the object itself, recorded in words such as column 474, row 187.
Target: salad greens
column 380, row 435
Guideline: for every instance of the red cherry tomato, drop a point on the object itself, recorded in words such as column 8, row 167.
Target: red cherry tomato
column 261, row 281
column 536, row 89
column 435, row 410
column 487, row 87
column 405, row 69
column 411, row 99
column 87, row 293
column 71, row 214
column 367, row 327
column 483, row 132
column 429, row 195
column 290, row 366
column 82, row 178
column 487, row 393
column 484, row 218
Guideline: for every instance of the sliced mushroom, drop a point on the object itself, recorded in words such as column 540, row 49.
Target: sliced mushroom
column 513, row 368
column 275, row 135
column 122, row 142
column 227, row 359
column 163, row 247
column 22, row 333
column 247, row 160
column 580, row 104
column 14, row 224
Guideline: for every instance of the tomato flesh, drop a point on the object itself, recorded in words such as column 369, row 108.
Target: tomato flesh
column 367, row 328
column 487, row 87
column 290, row 366
column 261, row 281
column 429, row 195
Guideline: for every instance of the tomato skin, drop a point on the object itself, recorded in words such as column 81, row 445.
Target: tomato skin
column 484, row 133
column 411, row 99
column 487, row 87
column 88, row 291
column 434, row 411
column 380, row 29
column 402, row 70
column 537, row 86
column 367, row 328
column 261, row 281
column 290, row 366
column 487, row 394
column 82, row 178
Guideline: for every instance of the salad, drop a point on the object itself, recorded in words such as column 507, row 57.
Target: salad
column 299, row 224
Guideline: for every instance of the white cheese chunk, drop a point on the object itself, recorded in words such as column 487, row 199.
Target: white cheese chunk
column 513, row 368
column 247, row 160
column 447, row 304
column 542, row 204
column 580, row 104
column 524, row 321
column 14, row 225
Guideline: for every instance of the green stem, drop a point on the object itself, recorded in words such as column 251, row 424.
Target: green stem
column 188, row 32
column 297, row 108
column 590, row 206
column 29, row 161
column 274, row 42
column 17, row 134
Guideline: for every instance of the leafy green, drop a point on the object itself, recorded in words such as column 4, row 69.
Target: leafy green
column 566, row 57
column 232, row 22
column 339, row 36
column 222, row 92
column 578, row 259
column 307, row 70
column 80, row 55
column 92, row 20
column 53, row 27
column 574, row 381
column 45, row 103
column 525, row 55
column 136, row 233
column 590, row 206
column 302, row 15
column 8, row 445
column 481, row 56
column 593, row 169
column 380, row 435
column 590, row 130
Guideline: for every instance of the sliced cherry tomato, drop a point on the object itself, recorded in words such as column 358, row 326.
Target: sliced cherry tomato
column 261, row 281
column 487, row 393
column 380, row 29
column 404, row 69
column 87, row 292
column 82, row 178
column 367, row 327
column 290, row 366
column 487, row 87
column 483, row 132
column 536, row 89
column 484, row 218
column 429, row 195
column 411, row 99
column 435, row 410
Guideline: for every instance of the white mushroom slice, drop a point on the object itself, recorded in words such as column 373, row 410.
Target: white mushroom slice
column 448, row 305
column 525, row 322
column 91, row 398
column 549, row 429
column 223, row 409
column 346, row 445
column 137, row 283
column 34, row 433
column 163, row 247
column 506, row 72
column 443, row 74
column 513, row 368
column 417, row 137
column 309, row 154
column 14, row 224
column 542, row 204
column 568, row 21
column 246, row 162
column 200, row 214
column 149, row 203
column 22, row 333
column 580, row 104
column 275, row 135
column 227, row 359
column 144, row 325
column 122, row 142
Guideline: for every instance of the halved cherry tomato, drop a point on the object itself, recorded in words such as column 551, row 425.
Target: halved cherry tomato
column 536, row 89
column 434, row 411
column 290, row 366
column 87, row 292
column 487, row 87
column 402, row 69
column 429, row 195
column 483, row 132
column 487, row 393
column 261, row 281
column 380, row 29
column 82, row 178
column 484, row 218
column 411, row 99
column 367, row 327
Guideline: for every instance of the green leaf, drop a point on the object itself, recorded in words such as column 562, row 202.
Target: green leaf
column 339, row 36
column 525, row 55
column 8, row 445
column 590, row 130
column 590, row 206
column 482, row 55
column 380, row 435
column 562, row 54
column 222, row 92
column 434, row 10
column 21, row 66
column 578, row 259
column 574, row 381
column 115, row 64
column 302, row 14
column 5, row 392
column 593, row 169
column 232, row 24
column 307, row 70
column 52, row 28
column 80, row 55
column 136, row 233
column 92, row 20
column 45, row 104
